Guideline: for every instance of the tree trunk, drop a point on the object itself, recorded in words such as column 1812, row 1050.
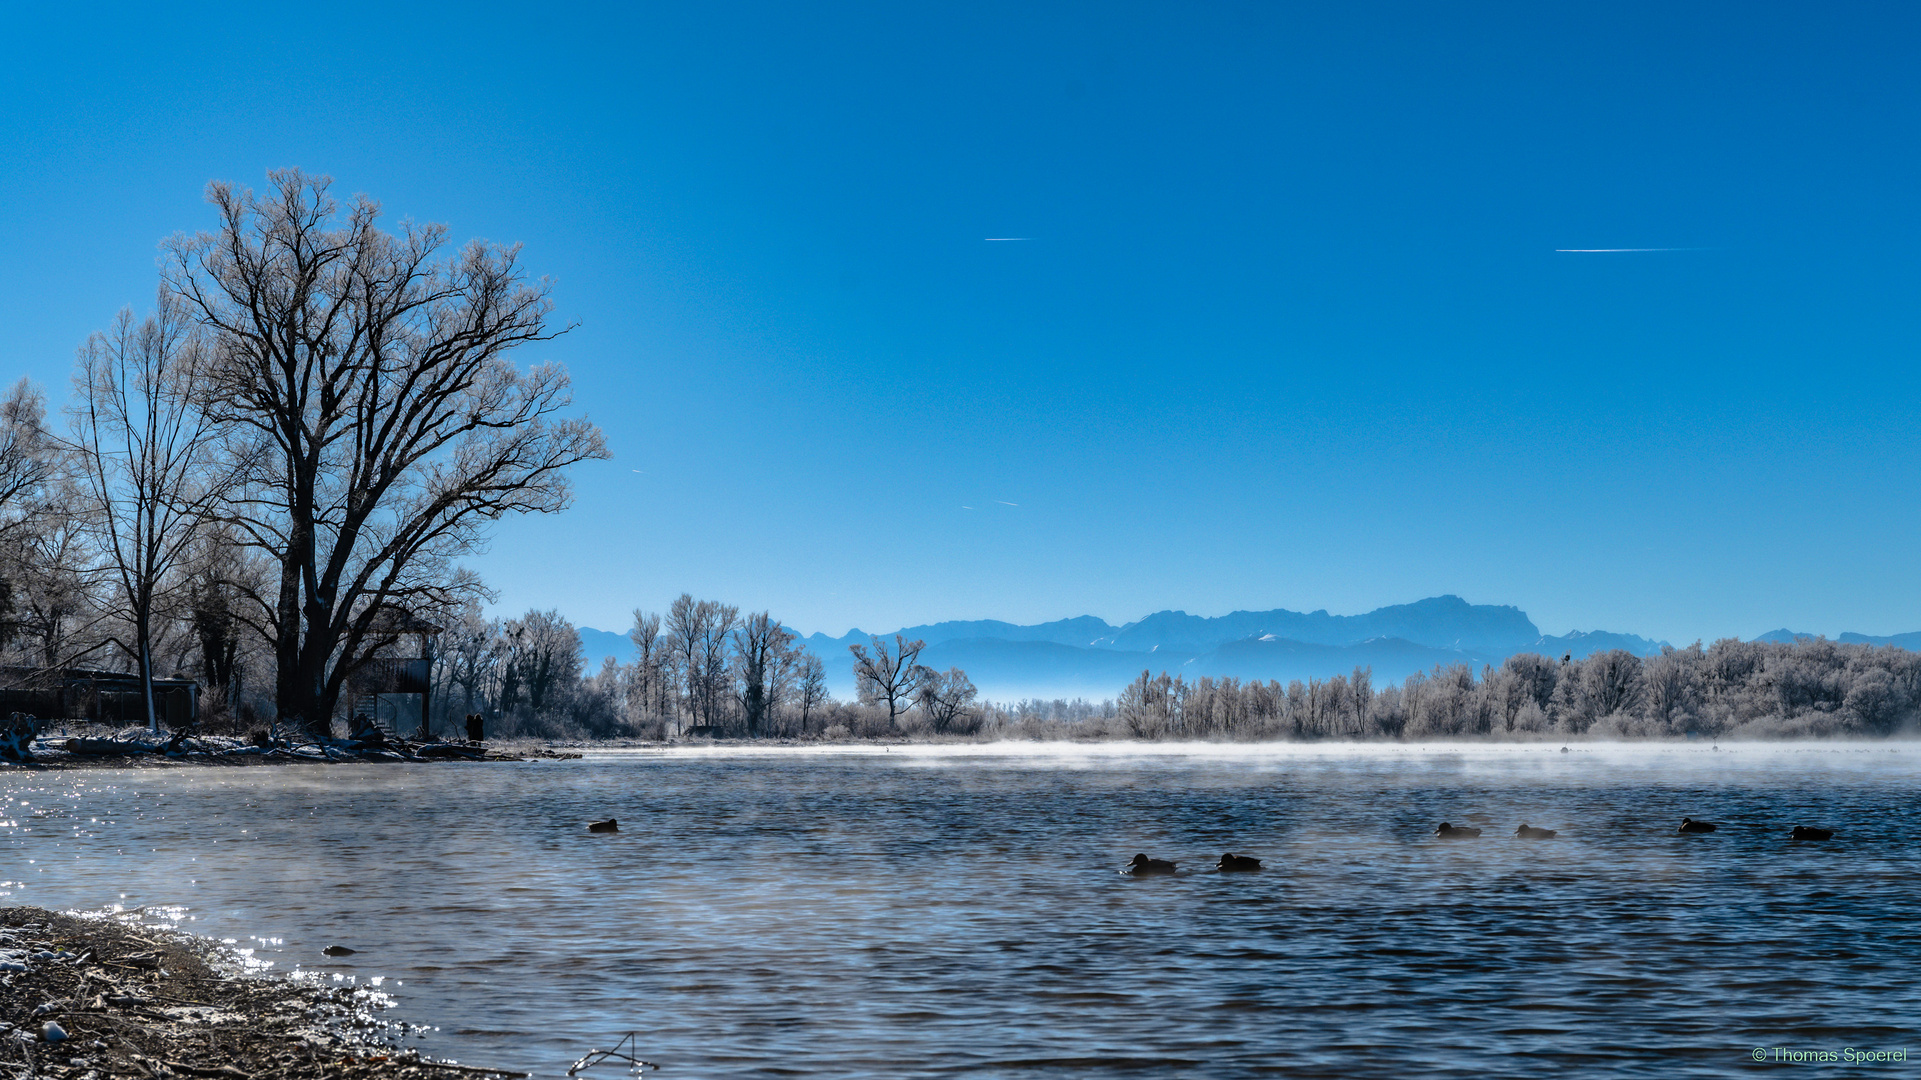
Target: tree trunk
column 146, row 677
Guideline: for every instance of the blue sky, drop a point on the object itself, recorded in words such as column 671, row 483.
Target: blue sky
column 1289, row 327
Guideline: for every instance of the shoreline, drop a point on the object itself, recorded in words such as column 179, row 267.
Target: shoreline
column 138, row 750
column 49, row 756
column 97, row 998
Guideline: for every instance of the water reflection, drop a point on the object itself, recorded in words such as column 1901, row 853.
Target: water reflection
column 947, row 911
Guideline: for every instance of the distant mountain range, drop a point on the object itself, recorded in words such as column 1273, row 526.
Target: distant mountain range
column 1087, row 657
column 1911, row 642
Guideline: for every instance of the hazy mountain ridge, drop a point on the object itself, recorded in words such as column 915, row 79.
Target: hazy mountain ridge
column 1910, row 642
column 1784, row 636
column 1445, row 621
column 1087, row 656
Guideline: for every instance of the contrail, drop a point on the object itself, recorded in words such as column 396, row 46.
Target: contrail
column 1004, row 502
column 1002, row 239
column 1609, row 251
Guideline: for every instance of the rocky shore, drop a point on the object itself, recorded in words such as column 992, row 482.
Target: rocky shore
column 137, row 747
column 96, row 999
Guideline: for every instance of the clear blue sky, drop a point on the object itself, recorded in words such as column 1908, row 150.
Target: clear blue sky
column 1290, row 328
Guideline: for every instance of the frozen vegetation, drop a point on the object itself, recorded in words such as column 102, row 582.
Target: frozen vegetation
column 701, row 670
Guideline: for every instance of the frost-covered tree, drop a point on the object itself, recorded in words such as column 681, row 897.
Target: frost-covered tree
column 764, row 665
column 887, row 679
column 152, row 463
column 368, row 376
column 945, row 698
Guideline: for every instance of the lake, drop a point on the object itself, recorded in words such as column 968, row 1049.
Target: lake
column 955, row 910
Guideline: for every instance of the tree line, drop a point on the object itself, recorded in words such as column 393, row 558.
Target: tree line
column 1811, row 688
column 699, row 668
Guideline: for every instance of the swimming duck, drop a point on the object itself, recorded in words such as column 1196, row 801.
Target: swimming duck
column 1808, row 832
column 1142, row 866
column 1455, row 832
column 1529, row 832
column 1237, row 864
column 1691, row 825
column 610, row 825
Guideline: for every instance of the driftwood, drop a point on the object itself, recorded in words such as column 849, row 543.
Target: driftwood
column 103, row 747
column 444, row 750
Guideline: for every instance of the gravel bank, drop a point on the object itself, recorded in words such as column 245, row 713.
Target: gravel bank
column 95, row 999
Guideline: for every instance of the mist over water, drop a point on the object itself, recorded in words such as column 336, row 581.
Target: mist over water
column 956, row 911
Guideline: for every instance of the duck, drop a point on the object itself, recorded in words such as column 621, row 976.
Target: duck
column 1455, row 832
column 1237, row 864
column 1142, row 866
column 1529, row 832
column 1809, row 832
column 610, row 825
column 1691, row 825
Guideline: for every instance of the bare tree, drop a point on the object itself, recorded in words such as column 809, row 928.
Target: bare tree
column 685, row 627
column 1150, row 707
column 945, row 698
column 29, row 455
column 698, row 632
column 468, row 657
column 650, row 674
column 1612, row 682
column 783, row 677
column 761, row 653
column 147, row 457
column 810, row 686
column 716, row 675
column 547, row 657
column 887, row 679
column 1362, row 683
column 46, row 563
column 212, row 574
column 29, row 473
column 370, row 369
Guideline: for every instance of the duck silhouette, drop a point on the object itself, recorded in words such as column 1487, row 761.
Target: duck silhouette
column 1237, row 864
column 1809, row 832
column 610, row 825
column 1529, row 832
column 1691, row 825
column 1456, row 832
column 1142, row 866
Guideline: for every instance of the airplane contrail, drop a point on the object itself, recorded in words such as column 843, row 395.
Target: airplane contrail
column 1004, row 502
column 1002, row 239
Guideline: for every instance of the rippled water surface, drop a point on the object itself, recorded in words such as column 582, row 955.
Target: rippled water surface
column 957, row 911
